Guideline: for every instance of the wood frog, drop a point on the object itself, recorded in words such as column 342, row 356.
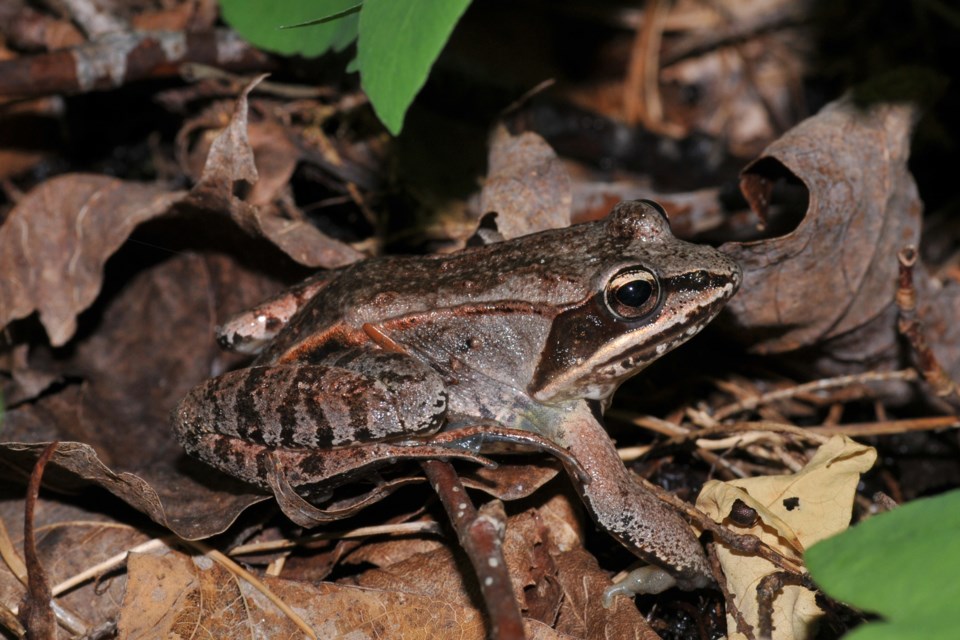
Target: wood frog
column 522, row 341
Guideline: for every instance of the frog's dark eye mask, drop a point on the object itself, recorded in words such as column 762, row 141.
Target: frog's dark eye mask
column 637, row 317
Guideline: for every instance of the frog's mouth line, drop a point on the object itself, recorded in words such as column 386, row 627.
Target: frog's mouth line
column 665, row 341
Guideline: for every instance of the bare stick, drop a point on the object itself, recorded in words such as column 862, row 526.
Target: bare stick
column 912, row 329
column 480, row 537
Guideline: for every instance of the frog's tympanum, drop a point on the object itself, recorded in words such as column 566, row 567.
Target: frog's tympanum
column 519, row 342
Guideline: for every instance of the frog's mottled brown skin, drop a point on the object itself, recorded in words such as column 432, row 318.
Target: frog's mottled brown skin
column 521, row 334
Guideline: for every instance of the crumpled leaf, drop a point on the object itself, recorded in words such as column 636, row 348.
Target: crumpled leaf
column 114, row 426
column 175, row 595
column 556, row 581
column 795, row 511
column 583, row 615
column 834, row 274
column 276, row 159
column 72, row 540
column 527, row 185
column 230, row 160
column 25, row 381
column 56, row 241
column 189, row 508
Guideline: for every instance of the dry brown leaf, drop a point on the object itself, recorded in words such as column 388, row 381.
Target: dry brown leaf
column 557, row 584
column 938, row 307
column 526, row 185
column 835, row 274
column 439, row 573
column 55, row 242
column 795, row 511
column 392, row 550
column 151, row 345
column 231, row 160
column 25, row 382
column 582, row 614
column 276, row 157
column 175, row 596
column 512, row 481
column 68, row 544
column 529, row 551
column 563, row 516
column 436, row 574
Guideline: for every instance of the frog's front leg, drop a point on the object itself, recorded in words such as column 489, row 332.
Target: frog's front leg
column 629, row 512
column 356, row 396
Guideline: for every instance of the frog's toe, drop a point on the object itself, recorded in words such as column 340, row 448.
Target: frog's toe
column 643, row 581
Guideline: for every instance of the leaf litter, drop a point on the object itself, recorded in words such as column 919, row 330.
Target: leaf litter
column 119, row 352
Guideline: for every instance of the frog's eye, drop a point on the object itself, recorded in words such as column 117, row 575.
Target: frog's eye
column 633, row 293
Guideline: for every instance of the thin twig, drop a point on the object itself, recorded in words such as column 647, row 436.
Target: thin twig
column 404, row 528
column 887, row 427
column 642, row 102
column 480, row 537
column 912, row 329
column 749, row 404
column 196, row 72
column 39, row 610
column 767, row 592
column 745, row 427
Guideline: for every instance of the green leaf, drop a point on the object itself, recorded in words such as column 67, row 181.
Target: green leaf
column 261, row 23
column 902, row 565
column 399, row 41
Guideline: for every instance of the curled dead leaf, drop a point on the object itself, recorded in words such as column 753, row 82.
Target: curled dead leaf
column 231, row 160
column 835, row 273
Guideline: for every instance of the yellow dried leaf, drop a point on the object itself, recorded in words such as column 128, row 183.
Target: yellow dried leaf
column 794, row 512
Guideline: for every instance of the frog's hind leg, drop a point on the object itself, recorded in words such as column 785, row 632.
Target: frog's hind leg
column 357, row 396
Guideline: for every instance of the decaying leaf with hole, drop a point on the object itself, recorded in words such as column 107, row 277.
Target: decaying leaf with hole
column 829, row 282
